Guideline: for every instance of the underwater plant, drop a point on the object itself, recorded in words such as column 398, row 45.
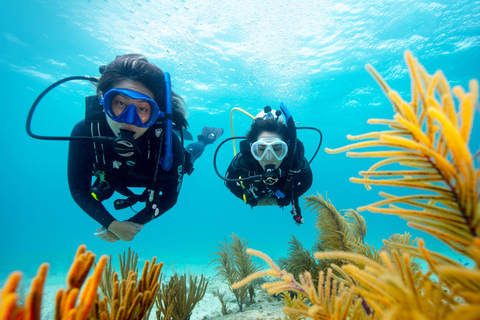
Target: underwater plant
column 65, row 299
column 290, row 301
column 176, row 301
column 220, row 297
column 299, row 260
column 336, row 232
column 128, row 262
column 109, row 277
column 234, row 264
column 131, row 299
column 430, row 136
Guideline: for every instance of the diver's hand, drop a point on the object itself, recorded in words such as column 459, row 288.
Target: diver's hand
column 267, row 202
column 125, row 230
column 106, row 235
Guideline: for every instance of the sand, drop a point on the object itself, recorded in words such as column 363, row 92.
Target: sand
column 209, row 308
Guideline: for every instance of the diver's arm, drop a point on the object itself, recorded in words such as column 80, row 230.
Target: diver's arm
column 170, row 187
column 80, row 165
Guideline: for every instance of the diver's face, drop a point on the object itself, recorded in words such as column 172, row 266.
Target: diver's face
column 264, row 162
column 119, row 103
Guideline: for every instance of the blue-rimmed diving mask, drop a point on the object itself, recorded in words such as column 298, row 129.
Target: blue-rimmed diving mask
column 131, row 113
column 269, row 148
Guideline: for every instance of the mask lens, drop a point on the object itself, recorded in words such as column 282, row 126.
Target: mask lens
column 142, row 114
column 268, row 149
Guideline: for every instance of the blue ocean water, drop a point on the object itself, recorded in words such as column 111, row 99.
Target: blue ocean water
column 221, row 54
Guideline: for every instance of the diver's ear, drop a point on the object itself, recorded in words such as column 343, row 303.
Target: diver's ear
column 101, row 69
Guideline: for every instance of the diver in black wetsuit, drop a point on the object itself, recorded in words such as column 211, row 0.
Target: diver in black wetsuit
column 145, row 153
column 270, row 168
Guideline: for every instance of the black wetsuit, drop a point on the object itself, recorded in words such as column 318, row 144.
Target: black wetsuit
column 287, row 188
column 81, row 160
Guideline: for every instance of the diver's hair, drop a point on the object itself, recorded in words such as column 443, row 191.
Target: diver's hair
column 260, row 125
column 137, row 68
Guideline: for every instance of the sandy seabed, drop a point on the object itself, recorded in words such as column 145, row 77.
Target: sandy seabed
column 209, row 308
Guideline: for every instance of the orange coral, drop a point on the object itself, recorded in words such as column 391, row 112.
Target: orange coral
column 66, row 299
column 9, row 309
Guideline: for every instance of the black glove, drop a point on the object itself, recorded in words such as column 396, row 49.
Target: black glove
column 249, row 198
column 283, row 202
column 209, row 135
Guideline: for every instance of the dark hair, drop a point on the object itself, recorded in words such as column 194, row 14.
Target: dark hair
column 260, row 125
column 137, row 68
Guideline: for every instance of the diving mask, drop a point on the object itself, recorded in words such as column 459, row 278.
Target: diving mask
column 142, row 114
column 269, row 148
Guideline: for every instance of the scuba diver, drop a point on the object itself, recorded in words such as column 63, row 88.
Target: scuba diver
column 132, row 136
column 270, row 168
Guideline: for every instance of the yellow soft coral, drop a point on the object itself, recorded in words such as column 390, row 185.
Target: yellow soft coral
column 430, row 137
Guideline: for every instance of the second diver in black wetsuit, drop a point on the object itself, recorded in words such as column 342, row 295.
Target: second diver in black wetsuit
column 146, row 152
column 270, row 168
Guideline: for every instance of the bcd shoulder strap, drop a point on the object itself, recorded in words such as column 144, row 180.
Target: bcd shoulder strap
column 94, row 124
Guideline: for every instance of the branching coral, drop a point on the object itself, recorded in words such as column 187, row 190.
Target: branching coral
column 234, row 264
column 9, row 308
column 430, row 136
column 216, row 292
column 176, row 300
column 128, row 263
column 131, row 299
column 300, row 260
column 66, row 299
column 334, row 232
column 339, row 232
column 328, row 300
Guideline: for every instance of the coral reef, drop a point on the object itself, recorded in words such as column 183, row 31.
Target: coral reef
column 234, row 264
column 430, row 136
column 130, row 298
